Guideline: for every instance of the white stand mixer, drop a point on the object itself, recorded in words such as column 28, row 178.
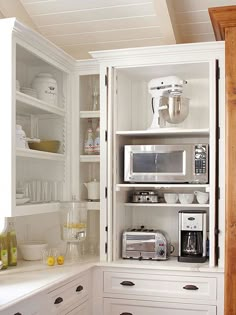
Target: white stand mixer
column 167, row 103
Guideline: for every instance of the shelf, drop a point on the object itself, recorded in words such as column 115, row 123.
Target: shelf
column 89, row 114
column 28, row 153
column 130, row 185
column 90, row 158
column 163, row 205
column 29, row 105
column 30, row 208
column 93, row 205
column 165, row 132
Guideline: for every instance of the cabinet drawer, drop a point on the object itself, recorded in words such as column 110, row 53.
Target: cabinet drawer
column 160, row 285
column 127, row 307
column 70, row 293
column 82, row 309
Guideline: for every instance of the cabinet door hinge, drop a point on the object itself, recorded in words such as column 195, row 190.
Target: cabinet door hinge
column 218, row 131
column 218, row 73
column 219, row 193
column 218, row 252
column 106, row 228
column 106, row 80
column 105, row 248
column 106, row 135
column 105, row 192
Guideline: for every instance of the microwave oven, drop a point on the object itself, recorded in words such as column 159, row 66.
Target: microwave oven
column 182, row 163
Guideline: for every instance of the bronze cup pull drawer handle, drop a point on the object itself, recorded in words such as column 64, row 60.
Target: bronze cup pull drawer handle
column 190, row 287
column 127, row 283
column 79, row 288
column 17, row 313
column 125, row 313
column 58, row 300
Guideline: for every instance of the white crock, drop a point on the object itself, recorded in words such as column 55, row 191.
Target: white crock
column 46, row 87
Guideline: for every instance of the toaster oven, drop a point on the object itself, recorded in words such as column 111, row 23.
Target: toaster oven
column 145, row 244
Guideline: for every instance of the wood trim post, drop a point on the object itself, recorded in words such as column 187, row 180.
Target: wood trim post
column 224, row 24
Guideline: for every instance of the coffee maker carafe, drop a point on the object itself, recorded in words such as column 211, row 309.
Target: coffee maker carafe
column 192, row 236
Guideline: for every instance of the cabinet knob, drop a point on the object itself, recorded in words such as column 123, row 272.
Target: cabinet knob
column 190, row 287
column 127, row 283
column 17, row 313
column 58, row 300
column 79, row 288
column 125, row 313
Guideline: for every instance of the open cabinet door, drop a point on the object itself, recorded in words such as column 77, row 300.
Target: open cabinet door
column 106, row 167
column 224, row 24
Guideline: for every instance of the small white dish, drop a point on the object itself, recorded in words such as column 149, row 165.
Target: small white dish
column 171, row 198
column 19, row 196
column 22, row 201
column 186, row 198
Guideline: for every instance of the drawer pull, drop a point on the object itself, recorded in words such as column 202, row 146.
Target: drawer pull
column 58, row 300
column 127, row 283
column 79, row 288
column 190, row 287
column 17, row 313
column 125, row 313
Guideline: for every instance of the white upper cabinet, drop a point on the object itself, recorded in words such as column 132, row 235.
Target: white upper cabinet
column 42, row 176
column 129, row 117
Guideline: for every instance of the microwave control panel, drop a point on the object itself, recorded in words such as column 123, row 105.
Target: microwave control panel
column 200, row 159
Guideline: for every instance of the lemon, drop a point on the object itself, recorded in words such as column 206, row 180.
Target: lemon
column 60, row 260
column 50, row 260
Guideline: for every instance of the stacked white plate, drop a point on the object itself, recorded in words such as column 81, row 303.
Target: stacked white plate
column 20, row 199
column 29, row 91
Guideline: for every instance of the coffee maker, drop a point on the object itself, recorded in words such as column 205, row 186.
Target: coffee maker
column 192, row 236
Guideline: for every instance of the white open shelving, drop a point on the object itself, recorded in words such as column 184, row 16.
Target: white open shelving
column 90, row 158
column 89, row 114
column 33, row 106
column 172, row 132
column 163, row 205
column 35, row 154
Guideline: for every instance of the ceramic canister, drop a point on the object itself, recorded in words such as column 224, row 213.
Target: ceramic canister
column 46, row 87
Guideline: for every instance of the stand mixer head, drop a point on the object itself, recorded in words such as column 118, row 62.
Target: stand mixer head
column 168, row 104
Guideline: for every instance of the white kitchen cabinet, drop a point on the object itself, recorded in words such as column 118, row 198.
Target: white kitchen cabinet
column 47, row 178
column 129, row 115
column 70, row 296
column 34, row 305
column 127, row 307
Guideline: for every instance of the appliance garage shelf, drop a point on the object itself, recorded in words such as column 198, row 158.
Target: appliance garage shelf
column 42, row 155
column 165, row 132
column 37, row 208
column 171, row 205
column 29, row 105
column 153, row 186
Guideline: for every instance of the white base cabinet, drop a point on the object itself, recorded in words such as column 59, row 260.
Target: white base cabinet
column 127, row 307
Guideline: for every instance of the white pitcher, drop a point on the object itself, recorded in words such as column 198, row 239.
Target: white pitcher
column 93, row 189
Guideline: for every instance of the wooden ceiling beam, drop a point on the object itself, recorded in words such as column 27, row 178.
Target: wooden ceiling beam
column 166, row 20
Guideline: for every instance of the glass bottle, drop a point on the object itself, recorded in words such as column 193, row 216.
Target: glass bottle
column 11, row 242
column 97, row 139
column 3, row 248
column 89, row 139
column 95, row 104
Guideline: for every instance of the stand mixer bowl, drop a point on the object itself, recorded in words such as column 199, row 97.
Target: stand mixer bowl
column 174, row 108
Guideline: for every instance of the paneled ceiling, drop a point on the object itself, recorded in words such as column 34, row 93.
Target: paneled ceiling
column 80, row 26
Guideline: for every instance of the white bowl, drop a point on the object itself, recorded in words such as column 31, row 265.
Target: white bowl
column 202, row 197
column 32, row 250
column 186, row 198
column 171, row 198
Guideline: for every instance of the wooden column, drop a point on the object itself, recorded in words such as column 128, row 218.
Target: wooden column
column 224, row 24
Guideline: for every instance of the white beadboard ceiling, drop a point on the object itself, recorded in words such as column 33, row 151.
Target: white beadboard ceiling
column 80, row 26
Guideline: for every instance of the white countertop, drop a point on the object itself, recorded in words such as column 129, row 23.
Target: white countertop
column 29, row 278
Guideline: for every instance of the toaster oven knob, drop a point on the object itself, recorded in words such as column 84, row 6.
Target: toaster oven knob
column 161, row 252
